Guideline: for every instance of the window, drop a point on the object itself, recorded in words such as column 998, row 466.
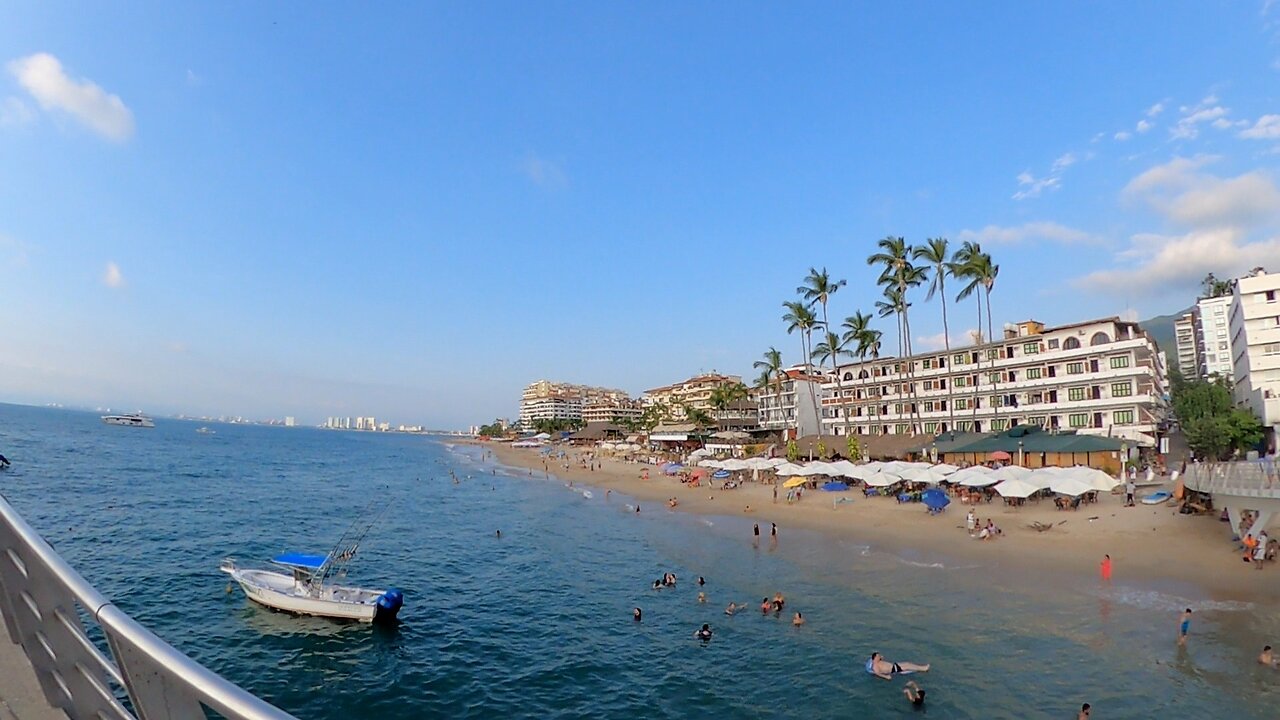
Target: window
column 928, row 406
column 1076, row 393
column 1120, row 361
column 1053, row 344
column 1031, row 348
column 927, row 364
column 1222, row 346
column 1075, row 368
column 996, row 400
column 1000, row 424
column 957, row 359
column 964, row 425
column 1122, row 417
column 993, row 354
column 961, row 381
column 897, row 408
column 994, row 378
column 1123, row 389
column 1219, row 310
column 931, row 428
column 961, row 404
column 1036, row 420
column 1034, row 373
column 1078, row 420
column 901, row 429
column 1271, row 349
column 1271, row 296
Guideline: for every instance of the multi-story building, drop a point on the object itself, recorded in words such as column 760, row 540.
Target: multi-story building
column 1102, row 377
column 695, row 392
column 795, row 403
column 1215, row 337
column 1255, row 337
column 551, row 400
column 1187, row 337
column 608, row 411
column 741, row 415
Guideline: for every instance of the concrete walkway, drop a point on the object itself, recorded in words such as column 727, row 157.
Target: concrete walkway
column 20, row 694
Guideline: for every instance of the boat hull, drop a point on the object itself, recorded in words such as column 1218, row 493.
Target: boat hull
column 281, row 592
column 128, row 421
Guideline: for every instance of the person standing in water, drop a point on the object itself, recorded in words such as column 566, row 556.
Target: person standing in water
column 1184, row 627
column 704, row 634
column 1106, row 567
column 755, row 533
column 1267, row 657
column 636, row 614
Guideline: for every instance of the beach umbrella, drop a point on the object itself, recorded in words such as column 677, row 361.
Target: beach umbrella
column 607, row 446
column 1000, row 455
column 720, row 474
column 734, row 464
column 934, row 499
column 701, row 452
column 835, row 486
column 812, row 468
column 843, row 468
column 710, row 463
column 945, row 468
column 698, row 473
column 896, row 467
column 1096, row 479
column 978, row 480
column 874, row 466
column 1070, row 485
column 1011, row 472
column 759, row 463
column 1017, row 488
column 923, row 474
column 882, row 479
column 786, row 468
column 795, row 482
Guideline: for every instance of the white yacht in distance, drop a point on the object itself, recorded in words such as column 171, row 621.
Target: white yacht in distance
column 130, row 419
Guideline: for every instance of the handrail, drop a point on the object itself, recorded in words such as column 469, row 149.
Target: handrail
column 1230, row 477
column 43, row 599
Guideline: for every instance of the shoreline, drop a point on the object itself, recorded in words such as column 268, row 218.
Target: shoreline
column 1147, row 544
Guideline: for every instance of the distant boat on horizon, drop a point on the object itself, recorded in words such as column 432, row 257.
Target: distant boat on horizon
column 206, row 431
column 129, row 420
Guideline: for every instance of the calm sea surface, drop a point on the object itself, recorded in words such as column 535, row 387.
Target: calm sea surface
column 537, row 623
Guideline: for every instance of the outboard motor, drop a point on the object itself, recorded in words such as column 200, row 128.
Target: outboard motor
column 388, row 605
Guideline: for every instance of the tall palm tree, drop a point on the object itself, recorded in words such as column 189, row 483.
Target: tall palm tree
column 986, row 272
column 935, row 254
column 834, row 347
column 899, row 274
column 967, row 267
column 869, row 344
column 800, row 318
column 770, row 368
column 818, row 288
column 857, row 334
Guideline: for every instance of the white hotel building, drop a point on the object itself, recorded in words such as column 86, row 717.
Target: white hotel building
column 1216, row 352
column 1255, row 338
column 1101, row 377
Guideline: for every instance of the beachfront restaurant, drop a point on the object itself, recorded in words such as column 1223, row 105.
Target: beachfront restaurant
column 675, row 438
column 1032, row 447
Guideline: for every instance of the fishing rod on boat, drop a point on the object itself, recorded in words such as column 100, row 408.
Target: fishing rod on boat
column 344, row 551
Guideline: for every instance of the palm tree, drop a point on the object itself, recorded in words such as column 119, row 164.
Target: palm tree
column 869, row 344
column 818, row 288
column 857, row 333
column 986, row 272
column 834, row 347
column 800, row 318
column 967, row 263
column 935, row 254
column 700, row 419
column 771, row 370
column 899, row 275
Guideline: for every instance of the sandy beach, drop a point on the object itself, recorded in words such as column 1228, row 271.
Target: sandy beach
column 1146, row 543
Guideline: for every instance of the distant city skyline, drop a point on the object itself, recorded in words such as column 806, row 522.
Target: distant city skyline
column 413, row 212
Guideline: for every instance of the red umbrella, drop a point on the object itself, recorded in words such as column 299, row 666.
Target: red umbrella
column 1000, row 455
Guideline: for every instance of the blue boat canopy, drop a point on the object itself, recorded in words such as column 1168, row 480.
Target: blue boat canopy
column 302, row 560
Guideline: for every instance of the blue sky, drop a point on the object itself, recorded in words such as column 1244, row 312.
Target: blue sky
column 309, row 209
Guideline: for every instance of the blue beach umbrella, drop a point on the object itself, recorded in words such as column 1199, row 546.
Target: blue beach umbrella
column 721, row 474
column 835, row 486
column 935, row 499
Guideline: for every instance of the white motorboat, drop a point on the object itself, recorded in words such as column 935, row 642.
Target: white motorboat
column 304, row 591
column 129, row 419
column 305, row 588
column 206, row 431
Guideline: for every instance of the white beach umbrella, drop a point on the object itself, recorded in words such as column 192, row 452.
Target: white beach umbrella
column 759, row 463
column 895, row 467
column 945, row 468
column 1069, row 485
column 710, row 463
column 813, row 468
column 978, row 469
column 978, row 480
column 1096, row 479
column 874, row 466
column 734, row 464
column 1016, row 488
column 882, row 479
column 844, row 468
column 1011, row 472
column 1043, row 476
column 924, row 474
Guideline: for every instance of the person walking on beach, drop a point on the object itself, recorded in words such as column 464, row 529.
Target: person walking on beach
column 773, row 532
column 971, row 522
column 1184, row 627
column 1130, row 487
column 755, row 532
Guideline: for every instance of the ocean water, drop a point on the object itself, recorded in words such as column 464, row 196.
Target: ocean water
column 538, row 623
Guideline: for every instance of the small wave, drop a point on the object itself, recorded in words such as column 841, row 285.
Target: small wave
column 913, row 563
column 707, row 522
column 1156, row 600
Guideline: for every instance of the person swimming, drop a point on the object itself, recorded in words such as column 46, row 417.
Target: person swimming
column 733, row 608
column 701, row 581
column 657, row 584
column 702, row 597
column 1267, row 657
column 765, row 606
column 636, row 614
column 704, row 634
column 881, row 668
column 798, row 620
column 915, row 695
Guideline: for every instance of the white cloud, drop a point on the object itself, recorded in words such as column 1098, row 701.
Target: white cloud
column 1032, row 186
column 1122, row 136
column 929, row 343
column 1143, row 126
column 42, row 76
column 998, row 235
column 1063, row 162
column 13, row 111
column 112, row 277
column 1185, row 195
column 1188, row 126
column 193, row 80
column 1266, row 128
column 1226, row 220
column 543, row 173
column 1156, row 109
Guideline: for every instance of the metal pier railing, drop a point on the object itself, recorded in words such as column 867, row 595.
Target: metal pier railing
column 43, row 599
column 1241, row 479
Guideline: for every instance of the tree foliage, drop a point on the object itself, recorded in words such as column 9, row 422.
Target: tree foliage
column 1214, row 428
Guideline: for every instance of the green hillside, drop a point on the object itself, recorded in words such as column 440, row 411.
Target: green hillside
column 1160, row 328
